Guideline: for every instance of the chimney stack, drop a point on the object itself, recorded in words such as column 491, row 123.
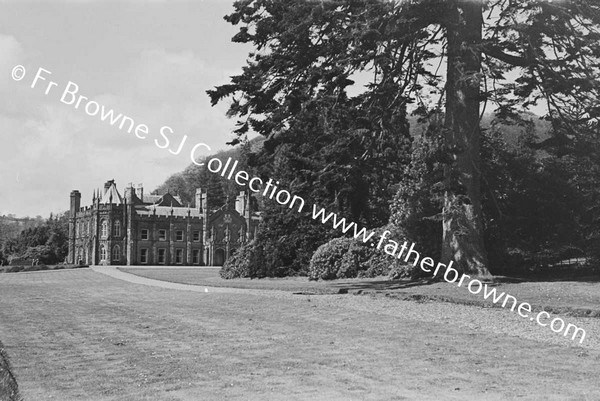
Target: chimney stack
column 198, row 199
column 139, row 191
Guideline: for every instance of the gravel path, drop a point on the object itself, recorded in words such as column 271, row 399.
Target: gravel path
column 488, row 320
column 132, row 278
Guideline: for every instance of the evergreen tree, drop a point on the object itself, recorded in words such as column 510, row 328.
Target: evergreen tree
column 307, row 52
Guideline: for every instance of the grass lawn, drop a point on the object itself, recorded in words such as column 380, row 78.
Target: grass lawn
column 81, row 335
column 576, row 298
column 210, row 277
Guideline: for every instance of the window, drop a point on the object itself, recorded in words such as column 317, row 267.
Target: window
column 196, row 236
column 179, row 256
column 144, row 234
column 102, row 252
column 104, row 228
column 116, row 253
column 162, row 252
column 117, row 229
column 162, row 235
column 144, row 255
column 196, row 256
column 179, row 235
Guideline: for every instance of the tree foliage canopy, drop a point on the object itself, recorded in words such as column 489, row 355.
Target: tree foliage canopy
column 301, row 90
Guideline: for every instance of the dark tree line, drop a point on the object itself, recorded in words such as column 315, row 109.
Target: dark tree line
column 443, row 60
column 47, row 242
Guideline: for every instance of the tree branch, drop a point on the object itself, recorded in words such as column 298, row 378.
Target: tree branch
column 497, row 53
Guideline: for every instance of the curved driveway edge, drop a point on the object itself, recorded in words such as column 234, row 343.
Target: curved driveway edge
column 132, row 278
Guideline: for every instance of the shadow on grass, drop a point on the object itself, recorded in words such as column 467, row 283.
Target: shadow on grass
column 9, row 391
column 380, row 285
column 548, row 277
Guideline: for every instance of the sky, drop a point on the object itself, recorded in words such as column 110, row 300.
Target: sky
column 151, row 61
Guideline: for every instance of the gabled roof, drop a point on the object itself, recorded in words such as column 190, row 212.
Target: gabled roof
column 168, row 200
column 111, row 195
column 157, row 199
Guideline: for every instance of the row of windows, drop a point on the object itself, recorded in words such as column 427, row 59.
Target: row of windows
column 162, row 253
column 162, row 235
column 82, row 228
column 104, row 229
column 116, row 253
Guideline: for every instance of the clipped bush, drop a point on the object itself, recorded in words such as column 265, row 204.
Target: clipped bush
column 349, row 258
column 335, row 259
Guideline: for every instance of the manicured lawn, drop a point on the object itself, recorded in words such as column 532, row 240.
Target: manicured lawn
column 577, row 298
column 80, row 335
column 210, row 277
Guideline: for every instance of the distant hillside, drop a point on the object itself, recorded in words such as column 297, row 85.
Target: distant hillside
column 185, row 183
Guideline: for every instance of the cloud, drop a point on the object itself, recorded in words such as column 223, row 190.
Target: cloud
column 50, row 148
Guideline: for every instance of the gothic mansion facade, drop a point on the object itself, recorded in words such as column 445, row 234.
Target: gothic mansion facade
column 141, row 229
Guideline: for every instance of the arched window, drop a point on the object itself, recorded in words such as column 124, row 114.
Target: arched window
column 102, row 252
column 116, row 253
column 117, row 228
column 104, row 229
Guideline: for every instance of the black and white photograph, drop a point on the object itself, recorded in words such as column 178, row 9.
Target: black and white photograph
column 254, row 200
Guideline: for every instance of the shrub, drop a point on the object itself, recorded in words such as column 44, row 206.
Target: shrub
column 35, row 268
column 43, row 253
column 348, row 258
column 287, row 239
column 22, row 268
column 242, row 263
column 335, row 259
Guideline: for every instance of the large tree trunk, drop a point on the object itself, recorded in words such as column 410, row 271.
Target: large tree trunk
column 462, row 220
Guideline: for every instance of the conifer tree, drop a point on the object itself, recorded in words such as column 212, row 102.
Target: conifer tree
column 453, row 55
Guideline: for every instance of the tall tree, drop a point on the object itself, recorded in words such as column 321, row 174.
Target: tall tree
column 512, row 53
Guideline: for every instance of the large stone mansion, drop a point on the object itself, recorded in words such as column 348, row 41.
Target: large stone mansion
column 143, row 229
